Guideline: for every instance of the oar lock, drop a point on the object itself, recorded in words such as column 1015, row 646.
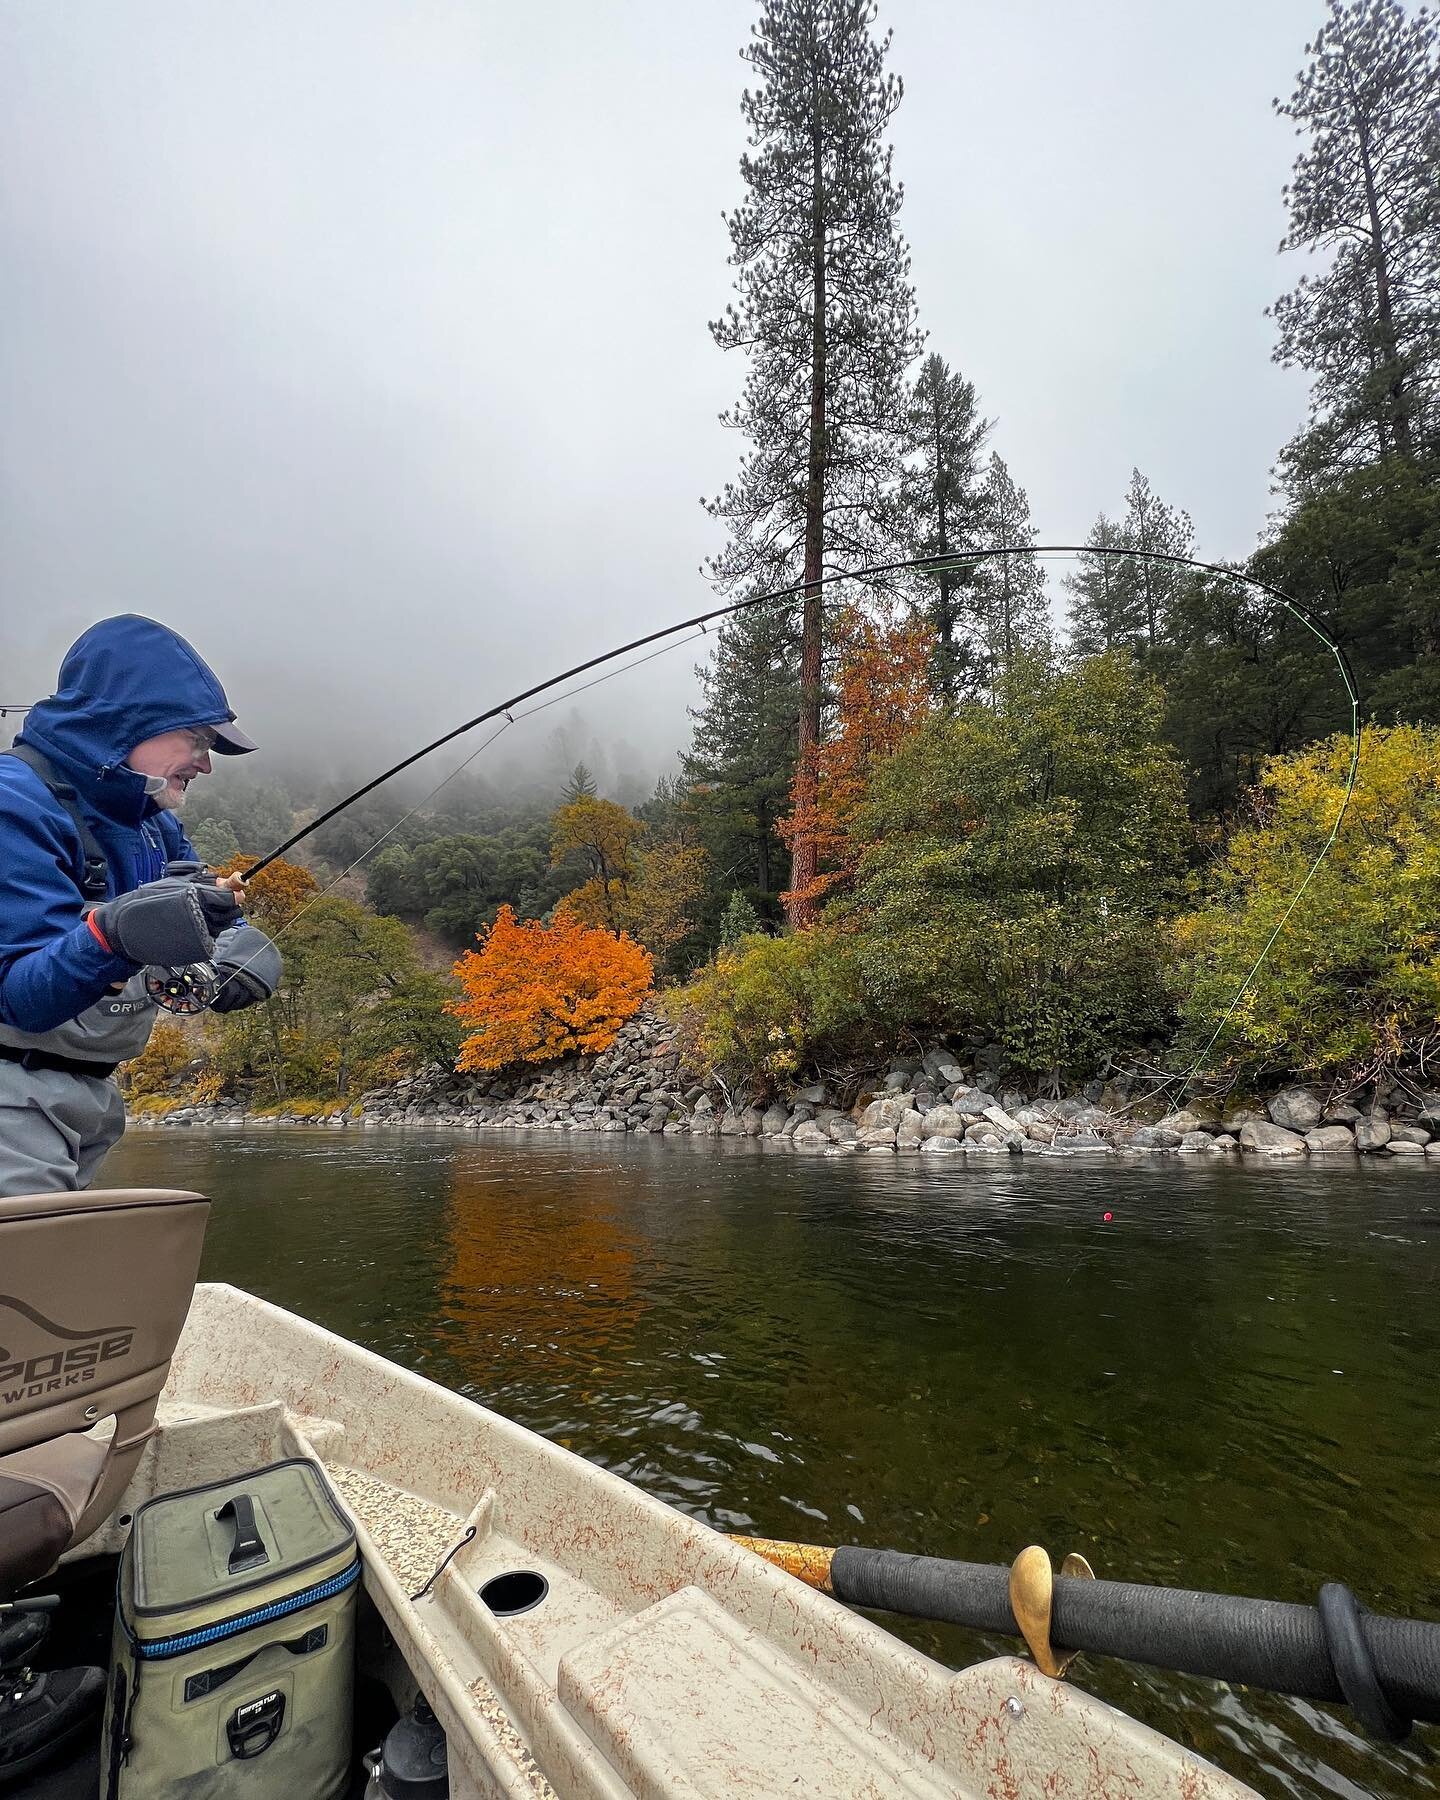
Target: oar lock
column 1032, row 1599
column 1031, row 1587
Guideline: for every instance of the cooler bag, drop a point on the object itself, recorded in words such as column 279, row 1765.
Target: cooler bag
column 234, row 1643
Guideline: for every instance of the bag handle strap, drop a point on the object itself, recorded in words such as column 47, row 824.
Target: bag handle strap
column 248, row 1548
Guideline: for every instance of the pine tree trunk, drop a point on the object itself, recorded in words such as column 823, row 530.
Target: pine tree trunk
column 945, row 621
column 1399, row 420
column 801, row 910
column 277, row 1053
column 1146, row 570
column 1006, row 619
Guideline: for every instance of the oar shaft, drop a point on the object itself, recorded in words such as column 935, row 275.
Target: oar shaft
column 1226, row 1637
column 1257, row 1643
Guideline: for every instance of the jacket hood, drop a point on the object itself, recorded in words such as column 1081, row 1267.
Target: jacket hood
column 122, row 681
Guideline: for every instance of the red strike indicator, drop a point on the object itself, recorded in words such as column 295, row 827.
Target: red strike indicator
column 1108, row 1217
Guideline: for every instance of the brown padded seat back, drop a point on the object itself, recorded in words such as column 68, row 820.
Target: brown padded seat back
column 34, row 1529
column 94, row 1290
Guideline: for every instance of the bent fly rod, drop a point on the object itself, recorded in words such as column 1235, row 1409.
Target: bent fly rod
column 800, row 590
column 803, row 591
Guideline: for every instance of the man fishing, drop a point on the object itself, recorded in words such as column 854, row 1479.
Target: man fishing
column 98, row 882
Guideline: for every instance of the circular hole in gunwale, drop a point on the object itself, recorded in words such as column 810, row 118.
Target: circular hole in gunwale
column 517, row 1591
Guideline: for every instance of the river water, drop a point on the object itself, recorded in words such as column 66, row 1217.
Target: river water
column 1231, row 1384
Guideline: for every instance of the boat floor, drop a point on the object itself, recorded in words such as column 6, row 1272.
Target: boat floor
column 664, row 1661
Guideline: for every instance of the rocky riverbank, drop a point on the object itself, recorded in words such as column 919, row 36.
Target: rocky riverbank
column 946, row 1102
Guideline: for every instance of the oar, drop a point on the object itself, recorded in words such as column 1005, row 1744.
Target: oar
column 1387, row 1670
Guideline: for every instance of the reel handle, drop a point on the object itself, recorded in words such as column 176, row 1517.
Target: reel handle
column 185, row 990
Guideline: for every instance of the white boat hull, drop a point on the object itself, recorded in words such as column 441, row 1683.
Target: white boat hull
column 664, row 1661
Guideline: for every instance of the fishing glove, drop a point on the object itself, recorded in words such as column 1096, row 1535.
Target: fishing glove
column 248, row 965
column 171, row 922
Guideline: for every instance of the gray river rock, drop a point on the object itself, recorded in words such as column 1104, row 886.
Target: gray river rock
column 640, row 1087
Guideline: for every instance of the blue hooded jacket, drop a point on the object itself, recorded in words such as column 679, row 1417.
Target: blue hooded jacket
column 125, row 680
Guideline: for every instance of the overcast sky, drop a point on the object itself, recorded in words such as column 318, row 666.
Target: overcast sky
column 365, row 340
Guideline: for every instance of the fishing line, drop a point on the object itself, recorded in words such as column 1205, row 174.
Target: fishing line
column 369, row 850
column 1352, row 775
column 936, row 564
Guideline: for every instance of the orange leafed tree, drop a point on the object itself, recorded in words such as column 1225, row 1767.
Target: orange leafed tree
column 882, row 693
column 533, row 992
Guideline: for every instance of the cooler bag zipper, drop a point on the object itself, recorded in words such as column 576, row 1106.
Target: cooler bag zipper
column 160, row 1648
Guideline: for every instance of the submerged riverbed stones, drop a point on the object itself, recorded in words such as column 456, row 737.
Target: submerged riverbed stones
column 1266, row 1139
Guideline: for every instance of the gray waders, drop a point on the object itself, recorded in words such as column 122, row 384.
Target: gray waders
column 60, row 1110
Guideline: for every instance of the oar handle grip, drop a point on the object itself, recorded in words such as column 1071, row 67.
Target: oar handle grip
column 1226, row 1637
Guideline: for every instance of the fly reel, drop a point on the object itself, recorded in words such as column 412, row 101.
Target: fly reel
column 186, row 990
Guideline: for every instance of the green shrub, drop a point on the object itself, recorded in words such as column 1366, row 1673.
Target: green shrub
column 738, row 921
column 1354, row 977
column 761, row 1010
column 1018, row 861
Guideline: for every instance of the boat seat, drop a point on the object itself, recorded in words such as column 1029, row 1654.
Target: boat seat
column 94, row 1290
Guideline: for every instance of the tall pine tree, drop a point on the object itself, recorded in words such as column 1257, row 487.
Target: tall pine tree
column 942, row 497
column 826, row 315
column 1105, row 607
column 1157, row 529
column 739, row 766
column 1015, row 597
column 1365, row 195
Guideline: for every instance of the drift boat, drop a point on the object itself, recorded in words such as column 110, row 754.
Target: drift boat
column 574, row 1636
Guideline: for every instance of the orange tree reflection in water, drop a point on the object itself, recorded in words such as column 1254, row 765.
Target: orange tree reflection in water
column 542, row 1295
